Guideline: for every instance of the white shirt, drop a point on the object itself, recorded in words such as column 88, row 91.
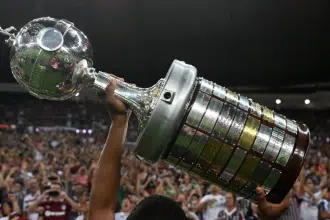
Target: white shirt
column 212, row 210
column 119, row 216
column 4, row 218
column 80, row 217
column 308, row 208
column 28, row 200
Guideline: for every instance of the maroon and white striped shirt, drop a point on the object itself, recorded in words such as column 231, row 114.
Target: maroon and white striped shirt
column 232, row 215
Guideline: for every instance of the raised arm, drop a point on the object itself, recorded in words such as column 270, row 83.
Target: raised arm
column 106, row 180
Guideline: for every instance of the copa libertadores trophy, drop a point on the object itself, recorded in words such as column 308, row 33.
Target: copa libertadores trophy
column 190, row 122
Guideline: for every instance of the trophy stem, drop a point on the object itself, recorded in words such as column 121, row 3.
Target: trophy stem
column 140, row 100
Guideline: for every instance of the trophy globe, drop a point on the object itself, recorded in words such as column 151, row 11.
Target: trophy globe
column 44, row 55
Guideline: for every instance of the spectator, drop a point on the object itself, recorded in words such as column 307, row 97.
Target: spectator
column 30, row 198
column 55, row 204
column 211, row 204
column 230, row 212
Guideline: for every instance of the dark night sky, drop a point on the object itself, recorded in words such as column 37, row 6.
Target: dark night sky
column 232, row 42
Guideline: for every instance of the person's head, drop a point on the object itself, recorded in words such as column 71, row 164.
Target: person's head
column 194, row 205
column 18, row 186
column 7, row 207
column 214, row 189
column 33, row 185
column 186, row 179
column 312, row 169
column 157, row 207
column 195, row 197
column 230, row 200
column 126, row 205
column 309, row 183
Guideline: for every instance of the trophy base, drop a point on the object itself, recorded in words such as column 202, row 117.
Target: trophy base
column 160, row 129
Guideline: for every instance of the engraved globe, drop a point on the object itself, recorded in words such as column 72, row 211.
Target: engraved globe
column 44, row 56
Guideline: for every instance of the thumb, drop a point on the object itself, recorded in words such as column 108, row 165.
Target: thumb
column 261, row 199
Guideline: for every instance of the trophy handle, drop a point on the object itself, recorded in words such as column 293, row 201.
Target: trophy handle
column 8, row 33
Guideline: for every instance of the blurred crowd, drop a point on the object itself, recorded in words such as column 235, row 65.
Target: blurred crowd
column 46, row 174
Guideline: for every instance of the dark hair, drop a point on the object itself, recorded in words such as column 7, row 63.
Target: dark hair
column 9, row 203
column 157, row 207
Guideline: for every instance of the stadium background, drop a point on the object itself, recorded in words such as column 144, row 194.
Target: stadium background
column 275, row 52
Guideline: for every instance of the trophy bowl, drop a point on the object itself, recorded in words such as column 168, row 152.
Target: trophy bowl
column 44, row 55
column 191, row 123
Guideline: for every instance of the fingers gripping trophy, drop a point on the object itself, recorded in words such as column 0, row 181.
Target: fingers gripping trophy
column 190, row 122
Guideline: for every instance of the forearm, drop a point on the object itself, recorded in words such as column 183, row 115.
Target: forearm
column 107, row 174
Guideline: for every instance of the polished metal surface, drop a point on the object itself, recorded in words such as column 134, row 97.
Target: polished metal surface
column 236, row 128
column 233, row 165
column 162, row 108
column 190, row 122
column 292, row 126
column 257, row 179
column 262, row 139
column 268, row 115
column 181, row 144
column 44, row 55
column 220, row 161
column 286, row 150
column 206, row 86
column 256, row 109
column 207, row 156
column 249, row 133
column 244, row 103
column 219, row 92
column 274, row 145
column 211, row 115
column 224, row 121
column 193, row 151
column 271, row 180
column 232, row 97
column 198, row 109
column 243, row 175
column 280, row 121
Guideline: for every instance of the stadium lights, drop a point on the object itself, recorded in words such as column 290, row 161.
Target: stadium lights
column 278, row 101
column 307, row 101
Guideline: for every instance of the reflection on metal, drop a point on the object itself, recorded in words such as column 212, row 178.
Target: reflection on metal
column 262, row 139
column 274, row 145
column 249, row 133
column 198, row 109
column 233, row 165
column 224, row 121
column 286, row 150
column 268, row 115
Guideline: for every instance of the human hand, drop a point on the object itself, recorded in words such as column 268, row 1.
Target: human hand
column 117, row 107
column 270, row 211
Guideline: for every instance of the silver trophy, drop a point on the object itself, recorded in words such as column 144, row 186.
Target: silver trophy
column 190, row 122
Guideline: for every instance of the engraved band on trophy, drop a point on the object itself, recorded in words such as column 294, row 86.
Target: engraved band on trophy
column 190, row 122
